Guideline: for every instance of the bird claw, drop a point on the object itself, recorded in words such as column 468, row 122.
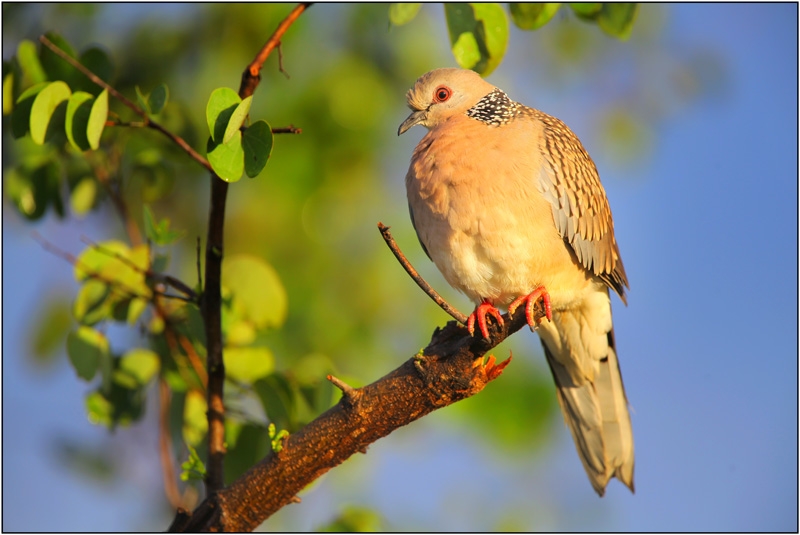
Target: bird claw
column 491, row 369
column 480, row 314
column 530, row 300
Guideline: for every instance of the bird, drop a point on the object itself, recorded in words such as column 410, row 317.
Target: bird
column 508, row 205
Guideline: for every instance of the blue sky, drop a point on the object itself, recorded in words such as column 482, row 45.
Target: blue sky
column 708, row 343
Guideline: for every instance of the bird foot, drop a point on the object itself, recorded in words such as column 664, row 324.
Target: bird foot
column 480, row 314
column 530, row 300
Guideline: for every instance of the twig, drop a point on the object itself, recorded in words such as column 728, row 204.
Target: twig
column 291, row 129
column 433, row 294
column 114, row 285
column 122, row 98
column 168, row 280
column 134, row 235
column 199, row 271
column 280, row 61
column 165, row 446
column 252, row 74
column 212, row 300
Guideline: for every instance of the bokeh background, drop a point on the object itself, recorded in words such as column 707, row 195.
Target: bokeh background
column 693, row 125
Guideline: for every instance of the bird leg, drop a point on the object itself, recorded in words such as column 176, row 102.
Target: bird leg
column 529, row 301
column 480, row 313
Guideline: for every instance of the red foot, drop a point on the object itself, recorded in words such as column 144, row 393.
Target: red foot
column 529, row 301
column 480, row 313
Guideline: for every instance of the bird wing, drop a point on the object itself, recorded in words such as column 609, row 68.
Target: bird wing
column 413, row 224
column 570, row 182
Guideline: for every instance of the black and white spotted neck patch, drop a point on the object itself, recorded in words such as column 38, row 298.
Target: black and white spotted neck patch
column 494, row 109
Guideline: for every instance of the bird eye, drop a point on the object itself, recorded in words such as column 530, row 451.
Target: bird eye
column 442, row 93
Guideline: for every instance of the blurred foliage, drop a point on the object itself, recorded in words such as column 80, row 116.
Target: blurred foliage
column 354, row 520
column 331, row 298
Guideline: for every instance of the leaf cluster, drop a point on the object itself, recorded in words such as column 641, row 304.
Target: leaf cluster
column 479, row 32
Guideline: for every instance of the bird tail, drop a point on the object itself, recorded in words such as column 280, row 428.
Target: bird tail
column 596, row 413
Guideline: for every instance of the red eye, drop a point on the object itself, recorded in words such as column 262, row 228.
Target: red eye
column 442, row 93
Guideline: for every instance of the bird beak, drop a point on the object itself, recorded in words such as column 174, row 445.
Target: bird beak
column 416, row 117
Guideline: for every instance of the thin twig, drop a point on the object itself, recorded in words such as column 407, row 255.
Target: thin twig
column 90, row 273
column 199, row 271
column 165, row 446
column 122, row 98
column 291, row 129
column 91, row 76
column 255, row 66
column 280, row 61
column 433, row 294
column 168, row 280
column 134, row 235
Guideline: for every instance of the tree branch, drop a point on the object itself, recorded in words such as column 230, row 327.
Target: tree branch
column 122, row 98
column 446, row 371
column 212, row 302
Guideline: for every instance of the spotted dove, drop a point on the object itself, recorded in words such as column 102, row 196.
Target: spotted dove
column 509, row 206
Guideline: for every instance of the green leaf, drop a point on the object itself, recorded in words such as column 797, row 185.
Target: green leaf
column 159, row 232
column 32, row 71
column 90, row 305
column 193, row 468
column 47, row 334
column 21, row 115
column 221, row 105
column 141, row 363
column 8, row 88
column 195, row 423
column 256, row 291
column 142, row 99
column 86, row 349
column 616, row 19
column 403, row 12
column 97, row 119
column 237, row 118
column 532, row 16
column 121, row 267
column 257, row 143
column 44, row 119
column 158, row 99
column 99, row 409
column 117, row 405
column 354, row 520
column 135, row 309
column 227, row 159
column 248, row 364
column 79, row 107
column 478, row 35
column 83, row 196
column 587, row 10
column 277, row 437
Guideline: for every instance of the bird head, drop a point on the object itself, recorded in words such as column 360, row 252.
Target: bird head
column 441, row 94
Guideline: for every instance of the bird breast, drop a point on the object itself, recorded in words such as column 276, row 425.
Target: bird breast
column 476, row 208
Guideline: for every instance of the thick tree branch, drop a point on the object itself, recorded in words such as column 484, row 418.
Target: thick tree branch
column 448, row 370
